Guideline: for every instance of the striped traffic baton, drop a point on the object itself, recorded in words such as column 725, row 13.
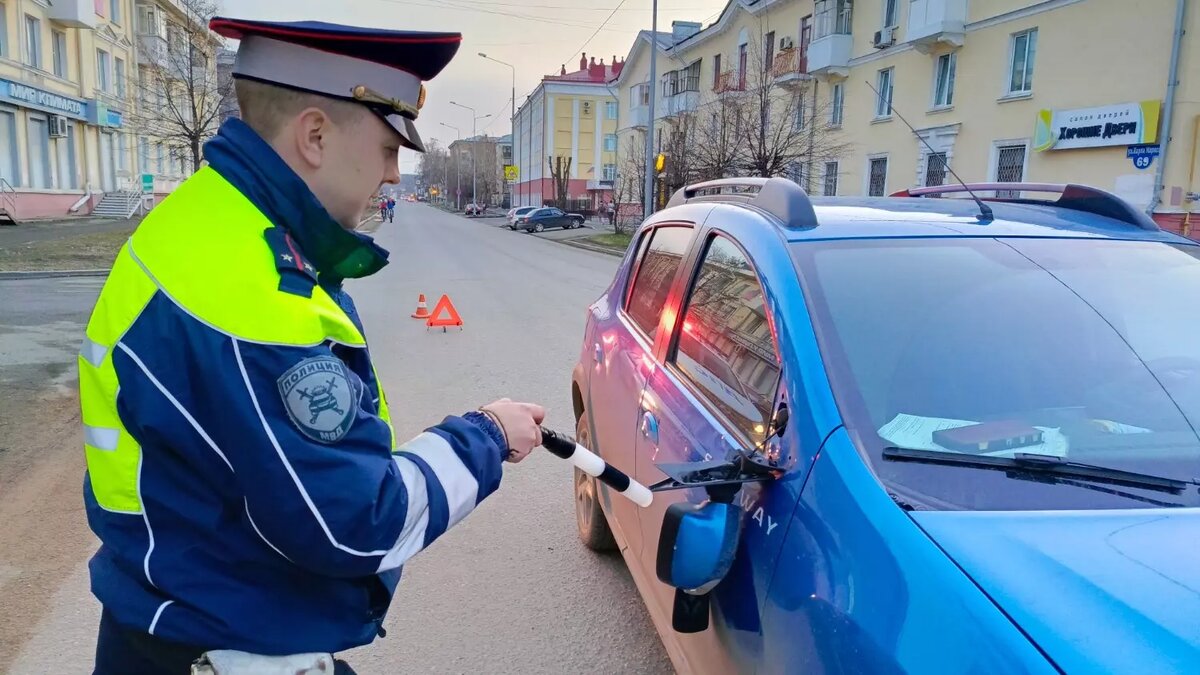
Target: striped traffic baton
column 590, row 463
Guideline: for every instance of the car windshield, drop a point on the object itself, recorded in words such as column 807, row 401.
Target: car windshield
column 1083, row 349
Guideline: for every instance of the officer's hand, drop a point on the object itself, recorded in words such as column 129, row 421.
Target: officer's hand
column 521, row 423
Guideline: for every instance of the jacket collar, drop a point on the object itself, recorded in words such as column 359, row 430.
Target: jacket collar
column 252, row 166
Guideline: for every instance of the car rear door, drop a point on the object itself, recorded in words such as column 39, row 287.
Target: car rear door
column 712, row 395
column 622, row 355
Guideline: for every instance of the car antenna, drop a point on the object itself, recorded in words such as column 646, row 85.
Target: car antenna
column 985, row 211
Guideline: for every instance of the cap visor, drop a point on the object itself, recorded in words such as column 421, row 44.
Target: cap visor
column 408, row 132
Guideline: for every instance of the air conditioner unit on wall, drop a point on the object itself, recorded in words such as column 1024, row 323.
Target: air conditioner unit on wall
column 786, row 42
column 885, row 37
column 58, row 126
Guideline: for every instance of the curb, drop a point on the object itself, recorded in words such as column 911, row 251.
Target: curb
column 52, row 274
column 595, row 248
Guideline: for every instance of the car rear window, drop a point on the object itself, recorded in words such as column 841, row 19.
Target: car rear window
column 656, row 270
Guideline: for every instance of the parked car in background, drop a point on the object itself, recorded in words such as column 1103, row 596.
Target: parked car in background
column 549, row 217
column 907, row 435
column 514, row 214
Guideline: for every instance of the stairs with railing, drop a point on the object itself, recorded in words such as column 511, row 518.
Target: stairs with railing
column 119, row 204
column 8, row 203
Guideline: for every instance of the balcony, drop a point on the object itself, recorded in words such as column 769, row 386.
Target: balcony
column 729, row 82
column 682, row 103
column 152, row 50
column 600, row 184
column 829, row 56
column 73, row 13
column 790, row 68
column 638, row 117
column 937, row 24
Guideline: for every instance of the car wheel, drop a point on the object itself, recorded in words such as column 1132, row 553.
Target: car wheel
column 589, row 517
column 539, row 227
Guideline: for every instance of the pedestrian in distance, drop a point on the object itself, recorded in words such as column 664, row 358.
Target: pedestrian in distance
column 391, row 209
column 252, row 501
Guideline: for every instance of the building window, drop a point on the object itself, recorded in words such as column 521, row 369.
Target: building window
column 143, row 155
column 3, row 29
column 716, row 70
column 103, row 70
column 119, row 67
column 58, row 49
column 1024, row 47
column 890, row 8
column 801, row 111
column 9, row 171
column 115, row 14
column 610, row 110
column 742, row 55
column 33, row 41
column 670, row 83
column 1010, row 168
column 610, row 173
column 877, row 177
column 798, row 173
column 769, row 52
column 943, row 80
column 883, row 100
column 831, row 179
column 690, row 80
column 639, row 95
column 834, row 17
column 610, row 142
column 837, row 99
column 935, row 168
column 147, row 22
column 39, row 152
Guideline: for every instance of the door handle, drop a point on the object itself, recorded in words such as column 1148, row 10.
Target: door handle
column 650, row 426
column 598, row 353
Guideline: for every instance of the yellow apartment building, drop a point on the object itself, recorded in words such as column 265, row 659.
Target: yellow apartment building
column 569, row 117
column 68, row 87
column 1039, row 91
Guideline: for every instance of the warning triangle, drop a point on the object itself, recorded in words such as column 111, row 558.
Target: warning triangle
column 444, row 306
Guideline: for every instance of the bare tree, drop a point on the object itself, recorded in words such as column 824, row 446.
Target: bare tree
column 560, row 171
column 629, row 188
column 434, row 169
column 715, row 152
column 678, row 153
column 180, row 97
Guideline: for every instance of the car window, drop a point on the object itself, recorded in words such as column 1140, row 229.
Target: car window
column 1087, row 346
column 655, row 271
column 725, row 347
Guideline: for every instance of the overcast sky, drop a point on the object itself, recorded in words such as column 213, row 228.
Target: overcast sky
column 535, row 36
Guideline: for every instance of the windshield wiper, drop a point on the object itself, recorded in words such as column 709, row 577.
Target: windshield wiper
column 1040, row 464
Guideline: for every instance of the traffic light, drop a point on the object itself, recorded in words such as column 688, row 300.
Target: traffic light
column 660, row 163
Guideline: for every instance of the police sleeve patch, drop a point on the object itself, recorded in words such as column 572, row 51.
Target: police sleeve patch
column 319, row 398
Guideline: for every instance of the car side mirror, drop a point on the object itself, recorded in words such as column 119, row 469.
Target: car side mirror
column 695, row 551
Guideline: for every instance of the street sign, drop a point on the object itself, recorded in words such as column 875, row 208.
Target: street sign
column 1143, row 155
column 511, row 173
column 147, row 183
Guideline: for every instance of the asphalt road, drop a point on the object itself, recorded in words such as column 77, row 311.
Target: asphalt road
column 509, row 590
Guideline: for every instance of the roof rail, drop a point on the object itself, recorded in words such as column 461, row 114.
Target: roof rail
column 1074, row 197
column 779, row 197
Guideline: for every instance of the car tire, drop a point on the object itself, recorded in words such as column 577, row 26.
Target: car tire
column 590, row 520
column 539, row 227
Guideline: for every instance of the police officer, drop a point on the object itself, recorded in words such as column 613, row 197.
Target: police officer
column 243, row 475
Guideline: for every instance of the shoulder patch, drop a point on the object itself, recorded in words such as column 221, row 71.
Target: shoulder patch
column 317, row 395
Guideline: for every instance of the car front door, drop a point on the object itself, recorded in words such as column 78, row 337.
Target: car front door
column 711, row 397
column 623, row 354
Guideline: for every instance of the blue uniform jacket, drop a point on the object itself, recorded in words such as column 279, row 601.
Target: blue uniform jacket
column 262, row 528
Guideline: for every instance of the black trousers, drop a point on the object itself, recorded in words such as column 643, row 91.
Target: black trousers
column 123, row 651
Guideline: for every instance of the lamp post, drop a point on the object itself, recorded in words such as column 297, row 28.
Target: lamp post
column 474, row 139
column 650, row 164
column 457, row 170
column 512, row 120
column 445, row 171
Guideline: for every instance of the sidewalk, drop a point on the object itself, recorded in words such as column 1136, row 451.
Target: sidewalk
column 31, row 231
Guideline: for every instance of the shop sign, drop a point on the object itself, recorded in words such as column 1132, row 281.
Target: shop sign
column 101, row 115
column 1120, row 124
column 32, row 97
column 1143, row 155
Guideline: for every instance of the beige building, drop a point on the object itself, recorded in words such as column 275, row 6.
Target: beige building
column 570, row 119
column 68, row 90
column 1040, row 91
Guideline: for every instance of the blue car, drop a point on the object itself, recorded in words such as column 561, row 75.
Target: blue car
column 902, row 435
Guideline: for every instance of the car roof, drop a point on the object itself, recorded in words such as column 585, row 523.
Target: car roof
column 876, row 217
